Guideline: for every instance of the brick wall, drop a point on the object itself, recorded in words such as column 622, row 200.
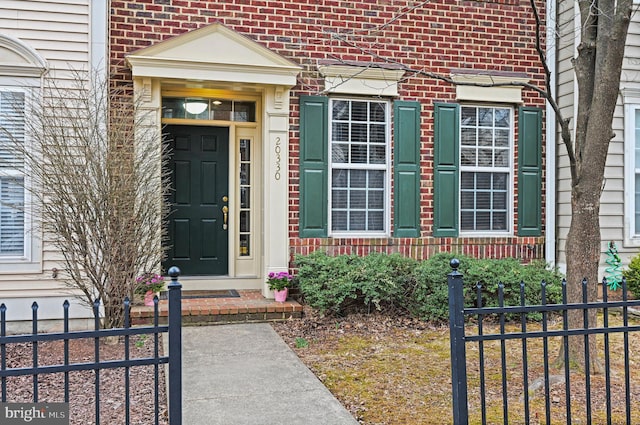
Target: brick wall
column 432, row 36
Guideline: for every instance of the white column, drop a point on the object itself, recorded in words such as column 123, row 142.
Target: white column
column 276, row 182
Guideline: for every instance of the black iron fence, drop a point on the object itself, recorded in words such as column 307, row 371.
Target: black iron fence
column 127, row 364
column 509, row 377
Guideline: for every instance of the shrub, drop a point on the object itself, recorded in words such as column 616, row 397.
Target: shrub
column 632, row 276
column 429, row 298
column 337, row 285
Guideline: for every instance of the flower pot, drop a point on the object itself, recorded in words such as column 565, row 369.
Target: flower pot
column 281, row 296
column 148, row 298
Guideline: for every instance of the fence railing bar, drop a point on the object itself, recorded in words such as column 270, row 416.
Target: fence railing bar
column 127, row 369
column 96, row 346
column 554, row 333
column 607, row 358
column 627, row 381
column 34, row 348
column 156, row 355
column 103, row 333
column 545, row 351
column 525, row 365
column 77, row 367
column 516, row 309
column 565, row 342
column 503, row 358
column 3, row 350
column 587, row 356
column 483, row 401
column 65, row 309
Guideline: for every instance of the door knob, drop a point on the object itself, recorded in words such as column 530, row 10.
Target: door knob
column 225, row 217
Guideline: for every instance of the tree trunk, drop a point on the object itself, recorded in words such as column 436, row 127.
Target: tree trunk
column 583, row 255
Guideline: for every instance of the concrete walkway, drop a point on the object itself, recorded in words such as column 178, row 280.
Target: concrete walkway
column 245, row 374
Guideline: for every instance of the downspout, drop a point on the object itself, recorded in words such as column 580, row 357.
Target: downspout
column 550, row 137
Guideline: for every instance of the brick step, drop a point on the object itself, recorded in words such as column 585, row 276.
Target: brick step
column 250, row 306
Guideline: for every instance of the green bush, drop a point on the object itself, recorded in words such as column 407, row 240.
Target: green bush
column 340, row 284
column 337, row 285
column 429, row 298
column 632, row 276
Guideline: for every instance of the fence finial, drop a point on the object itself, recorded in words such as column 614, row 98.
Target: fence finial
column 454, row 263
column 174, row 272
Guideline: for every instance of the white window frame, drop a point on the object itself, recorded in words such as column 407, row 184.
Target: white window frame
column 631, row 105
column 509, row 170
column 383, row 167
column 30, row 260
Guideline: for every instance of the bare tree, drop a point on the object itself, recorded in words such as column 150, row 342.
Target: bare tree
column 96, row 175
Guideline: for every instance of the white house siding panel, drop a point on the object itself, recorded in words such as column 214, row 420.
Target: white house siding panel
column 59, row 31
column 613, row 197
column 565, row 98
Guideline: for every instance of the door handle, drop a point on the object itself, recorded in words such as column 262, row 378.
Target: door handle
column 225, row 217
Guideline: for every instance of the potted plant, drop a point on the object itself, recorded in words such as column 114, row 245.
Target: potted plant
column 279, row 283
column 149, row 285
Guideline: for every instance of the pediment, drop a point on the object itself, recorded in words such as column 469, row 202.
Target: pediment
column 210, row 53
column 17, row 58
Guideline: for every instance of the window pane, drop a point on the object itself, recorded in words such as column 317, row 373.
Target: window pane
column 244, row 111
column 485, row 157
column 467, row 180
column 376, row 220
column 340, row 110
column 483, row 200
column 377, row 112
column 359, row 111
column 376, row 179
column 339, row 178
column 357, row 220
column 358, row 199
column 377, row 155
column 11, row 216
column 376, row 200
column 485, row 117
column 502, row 138
column 358, row 178
column 501, row 158
column 377, row 133
column 340, row 153
column 468, row 116
column 173, row 108
column 12, row 130
column 485, row 138
column 339, row 198
column 468, row 157
column 502, row 117
column 468, row 137
column 221, row 110
column 358, row 154
column 338, row 220
column 340, row 132
column 499, row 221
column 483, row 181
column 466, row 200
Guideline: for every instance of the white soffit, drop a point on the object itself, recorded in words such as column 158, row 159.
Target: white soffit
column 213, row 53
column 488, row 88
column 18, row 59
column 367, row 80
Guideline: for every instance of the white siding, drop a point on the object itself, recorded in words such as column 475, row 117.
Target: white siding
column 612, row 213
column 59, row 31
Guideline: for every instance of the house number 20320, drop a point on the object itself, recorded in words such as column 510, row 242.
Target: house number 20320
column 277, row 149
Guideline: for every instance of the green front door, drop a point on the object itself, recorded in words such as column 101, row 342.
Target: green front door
column 198, row 235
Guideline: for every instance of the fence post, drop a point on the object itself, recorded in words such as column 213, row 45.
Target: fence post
column 175, row 348
column 458, row 354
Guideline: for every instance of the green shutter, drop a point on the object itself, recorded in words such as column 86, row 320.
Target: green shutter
column 530, row 172
column 314, row 153
column 406, row 177
column 445, row 179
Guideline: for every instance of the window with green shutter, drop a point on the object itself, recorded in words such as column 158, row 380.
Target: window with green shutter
column 473, row 170
column 345, row 160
